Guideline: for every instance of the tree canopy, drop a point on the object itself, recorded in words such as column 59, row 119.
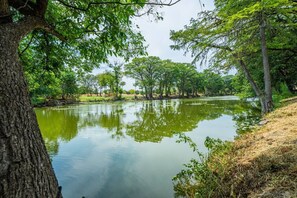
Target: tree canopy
column 245, row 35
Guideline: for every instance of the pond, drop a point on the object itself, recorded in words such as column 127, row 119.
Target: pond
column 129, row 149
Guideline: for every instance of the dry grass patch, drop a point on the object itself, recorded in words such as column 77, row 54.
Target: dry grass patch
column 264, row 163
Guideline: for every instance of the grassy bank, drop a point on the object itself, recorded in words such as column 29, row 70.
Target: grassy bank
column 89, row 98
column 262, row 163
column 85, row 98
column 124, row 97
column 97, row 98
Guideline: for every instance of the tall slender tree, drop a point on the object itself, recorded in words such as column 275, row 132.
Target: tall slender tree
column 117, row 76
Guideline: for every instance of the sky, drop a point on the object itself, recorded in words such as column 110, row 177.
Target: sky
column 175, row 17
column 157, row 33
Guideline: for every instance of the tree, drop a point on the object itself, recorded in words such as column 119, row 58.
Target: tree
column 88, row 84
column 163, row 76
column 166, row 77
column 213, row 83
column 43, row 72
column 106, row 80
column 185, row 72
column 102, row 80
column 69, row 85
column 145, row 70
column 230, row 34
column 104, row 27
column 117, row 78
column 227, row 85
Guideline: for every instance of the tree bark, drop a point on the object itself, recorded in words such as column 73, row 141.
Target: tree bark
column 25, row 166
column 161, row 91
column 168, row 91
column 146, row 93
column 266, row 68
column 151, row 92
column 4, row 12
column 256, row 89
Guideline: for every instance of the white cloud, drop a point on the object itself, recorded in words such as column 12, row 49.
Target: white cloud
column 175, row 18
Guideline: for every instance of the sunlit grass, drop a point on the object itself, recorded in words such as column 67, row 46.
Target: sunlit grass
column 98, row 98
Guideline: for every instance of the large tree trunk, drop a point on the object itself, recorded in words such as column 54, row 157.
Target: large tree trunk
column 266, row 67
column 25, row 166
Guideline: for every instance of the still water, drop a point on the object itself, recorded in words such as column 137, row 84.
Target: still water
column 129, row 149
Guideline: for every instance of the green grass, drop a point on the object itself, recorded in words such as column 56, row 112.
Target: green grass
column 94, row 98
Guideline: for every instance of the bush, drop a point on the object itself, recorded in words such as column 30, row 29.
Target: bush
column 131, row 91
column 201, row 178
column 283, row 92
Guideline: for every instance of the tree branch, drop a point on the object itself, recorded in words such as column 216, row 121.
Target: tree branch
column 28, row 45
column 171, row 3
column 220, row 47
column 51, row 30
column 29, row 8
column 24, row 7
column 30, row 23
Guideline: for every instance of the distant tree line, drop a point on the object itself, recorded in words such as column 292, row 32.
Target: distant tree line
column 154, row 78
column 164, row 78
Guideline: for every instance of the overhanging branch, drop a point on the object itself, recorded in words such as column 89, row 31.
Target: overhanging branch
column 51, row 30
column 28, row 45
column 85, row 9
column 30, row 23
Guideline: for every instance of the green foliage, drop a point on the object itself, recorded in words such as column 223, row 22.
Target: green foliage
column 145, row 71
column 69, row 85
column 282, row 93
column 242, row 87
column 284, row 90
column 154, row 75
column 200, row 178
column 88, row 84
column 105, row 80
column 93, row 33
column 213, row 83
column 111, row 81
column 229, row 36
column 131, row 91
column 227, row 84
column 116, row 81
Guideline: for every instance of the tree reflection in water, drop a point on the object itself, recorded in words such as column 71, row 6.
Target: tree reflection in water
column 147, row 121
column 57, row 125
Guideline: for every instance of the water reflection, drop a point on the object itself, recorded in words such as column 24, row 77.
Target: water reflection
column 143, row 121
column 57, row 125
column 129, row 149
column 166, row 118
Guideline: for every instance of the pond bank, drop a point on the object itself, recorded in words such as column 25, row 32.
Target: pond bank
column 262, row 163
column 99, row 99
